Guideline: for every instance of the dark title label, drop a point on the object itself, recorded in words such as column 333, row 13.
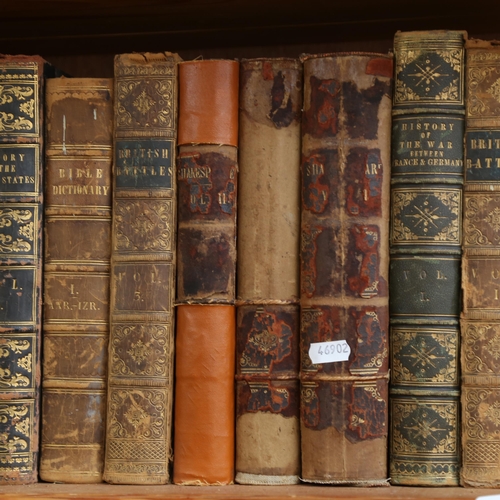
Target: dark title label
column 482, row 150
column 424, row 145
column 425, row 287
column 19, row 169
column 17, row 296
column 144, row 164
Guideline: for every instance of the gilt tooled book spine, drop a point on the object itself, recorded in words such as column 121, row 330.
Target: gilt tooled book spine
column 77, row 230
column 267, row 335
column 425, row 246
column 480, row 321
column 142, row 282
column 207, row 175
column 344, row 267
column 22, row 82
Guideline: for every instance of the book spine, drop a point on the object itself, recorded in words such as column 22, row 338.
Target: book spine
column 344, row 267
column 480, row 321
column 140, row 365
column 77, row 229
column 426, row 211
column 206, row 241
column 207, row 179
column 267, row 347
column 204, row 404
column 22, row 81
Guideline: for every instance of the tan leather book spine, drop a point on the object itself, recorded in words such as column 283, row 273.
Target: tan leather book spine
column 140, row 366
column 267, row 353
column 346, row 131
column 77, row 226
column 206, row 249
column 480, row 318
column 204, row 403
column 22, row 91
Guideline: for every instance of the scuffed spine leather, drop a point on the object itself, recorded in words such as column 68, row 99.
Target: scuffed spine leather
column 207, row 177
column 267, row 346
column 344, row 266
column 140, row 366
column 206, row 240
column 22, row 81
column 77, row 229
column 480, row 321
column 426, row 212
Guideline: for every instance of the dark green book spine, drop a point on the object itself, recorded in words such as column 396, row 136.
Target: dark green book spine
column 426, row 212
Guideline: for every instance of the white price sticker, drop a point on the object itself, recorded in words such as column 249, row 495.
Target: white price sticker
column 329, row 352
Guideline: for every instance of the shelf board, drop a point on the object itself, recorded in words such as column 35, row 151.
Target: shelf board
column 113, row 26
column 45, row 491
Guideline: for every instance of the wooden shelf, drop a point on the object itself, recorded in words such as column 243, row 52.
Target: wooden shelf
column 81, row 37
column 43, row 491
column 107, row 26
column 64, row 30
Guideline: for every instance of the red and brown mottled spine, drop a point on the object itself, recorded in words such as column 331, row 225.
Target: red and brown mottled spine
column 22, row 91
column 206, row 250
column 267, row 347
column 344, row 266
column 79, row 145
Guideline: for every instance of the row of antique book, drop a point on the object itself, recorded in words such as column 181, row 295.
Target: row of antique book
column 356, row 248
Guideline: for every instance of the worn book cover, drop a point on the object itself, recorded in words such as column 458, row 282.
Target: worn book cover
column 480, row 321
column 22, row 89
column 207, row 179
column 344, row 268
column 425, row 239
column 267, row 334
column 77, row 228
column 142, row 283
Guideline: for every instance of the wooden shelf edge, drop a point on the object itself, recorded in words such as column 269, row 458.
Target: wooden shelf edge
column 46, row 491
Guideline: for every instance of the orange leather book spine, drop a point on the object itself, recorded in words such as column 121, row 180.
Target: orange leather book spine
column 206, row 255
column 208, row 102
column 204, row 404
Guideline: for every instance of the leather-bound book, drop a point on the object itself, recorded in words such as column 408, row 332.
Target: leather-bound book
column 77, row 227
column 425, row 246
column 480, row 322
column 207, row 181
column 344, row 268
column 204, row 402
column 140, row 363
column 22, row 89
column 267, row 345
column 206, row 251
